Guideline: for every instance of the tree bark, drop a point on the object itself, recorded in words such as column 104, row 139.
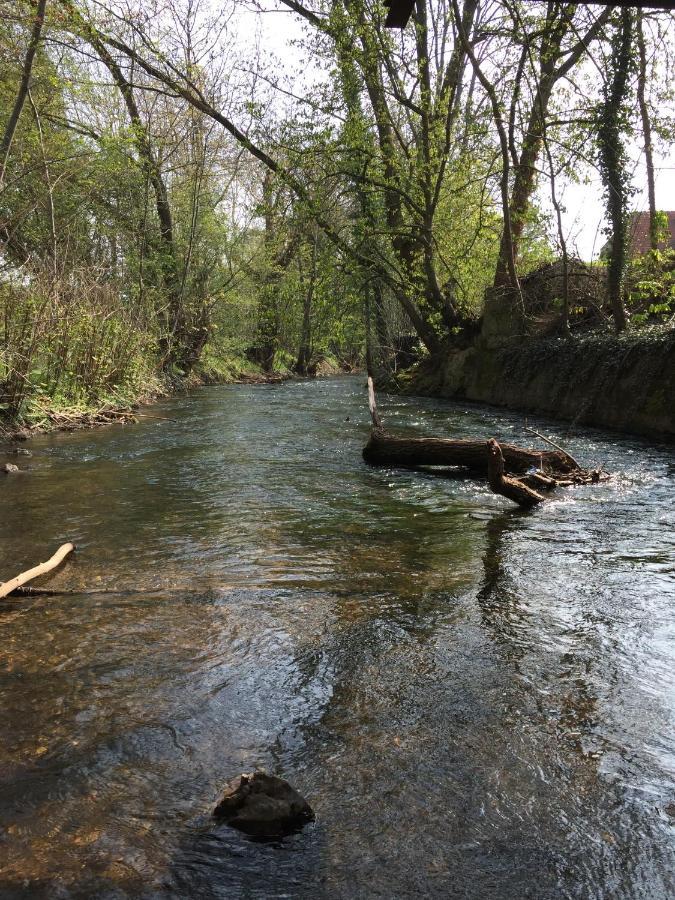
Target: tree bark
column 501, row 484
column 305, row 350
column 171, row 344
column 22, row 93
column 613, row 165
column 387, row 450
column 647, row 133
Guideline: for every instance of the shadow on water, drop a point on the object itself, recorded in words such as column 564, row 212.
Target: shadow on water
column 477, row 702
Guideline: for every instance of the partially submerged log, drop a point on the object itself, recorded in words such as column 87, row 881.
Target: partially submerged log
column 499, row 483
column 537, row 470
column 44, row 568
column 385, row 449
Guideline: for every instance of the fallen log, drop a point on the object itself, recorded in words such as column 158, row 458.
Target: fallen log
column 499, row 483
column 385, row 449
column 44, row 568
column 537, row 481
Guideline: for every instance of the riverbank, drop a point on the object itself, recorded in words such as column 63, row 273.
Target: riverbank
column 44, row 414
column 624, row 383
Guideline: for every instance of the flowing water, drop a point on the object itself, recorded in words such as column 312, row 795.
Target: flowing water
column 477, row 701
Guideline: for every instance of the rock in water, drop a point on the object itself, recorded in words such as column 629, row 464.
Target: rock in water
column 263, row 805
column 9, row 468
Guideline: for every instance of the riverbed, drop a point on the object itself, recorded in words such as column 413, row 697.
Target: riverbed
column 477, row 701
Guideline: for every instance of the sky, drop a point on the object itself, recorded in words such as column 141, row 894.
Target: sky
column 583, row 219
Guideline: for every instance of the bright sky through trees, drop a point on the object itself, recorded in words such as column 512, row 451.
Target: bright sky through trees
column 274, row 32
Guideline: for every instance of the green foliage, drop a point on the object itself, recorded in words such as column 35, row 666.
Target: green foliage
column 67, row 344
column 136, row 237
column 651, row 287
column 613, row 117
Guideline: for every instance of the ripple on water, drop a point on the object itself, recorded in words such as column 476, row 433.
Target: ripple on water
column 477, row 701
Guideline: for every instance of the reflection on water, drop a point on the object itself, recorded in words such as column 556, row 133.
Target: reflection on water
column 477, row 702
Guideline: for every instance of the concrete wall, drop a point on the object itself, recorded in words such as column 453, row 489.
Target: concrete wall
column 625, row 383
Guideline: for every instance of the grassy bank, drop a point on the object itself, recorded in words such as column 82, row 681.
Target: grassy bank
column 72, row 407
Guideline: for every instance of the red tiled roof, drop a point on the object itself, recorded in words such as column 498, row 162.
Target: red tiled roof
column 640, row 233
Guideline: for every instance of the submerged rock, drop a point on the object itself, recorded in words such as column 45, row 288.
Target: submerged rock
column 263, row 805
column 21, row 451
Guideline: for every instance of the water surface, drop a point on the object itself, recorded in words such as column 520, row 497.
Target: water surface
column 477, row 701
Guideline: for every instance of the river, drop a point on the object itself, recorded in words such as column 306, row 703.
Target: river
column 478, row 701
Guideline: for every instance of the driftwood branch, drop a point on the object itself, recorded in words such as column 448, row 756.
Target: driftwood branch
column 43, row 569
column 372, row 404
column 541, row 482
column 512, row 488
column 557, row 446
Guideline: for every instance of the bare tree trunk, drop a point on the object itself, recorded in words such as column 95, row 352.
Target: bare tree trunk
column 48, row 181
column 172, row 324
column 553, row 65
column 276, row 261
column 507, row 251
column 565, row 323
column 305, row 351
column 22, row 93
column 647, row 132
column 385, row 449
column 613, row 164
column 508, row 487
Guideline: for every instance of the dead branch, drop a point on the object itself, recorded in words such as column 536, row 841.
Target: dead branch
column 557, row 447
column 43, row 569
column 537, row 480
column 372, row 404
column 511, row 488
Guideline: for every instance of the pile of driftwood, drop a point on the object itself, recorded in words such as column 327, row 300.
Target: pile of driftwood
column 74, row 421
column 521, row 474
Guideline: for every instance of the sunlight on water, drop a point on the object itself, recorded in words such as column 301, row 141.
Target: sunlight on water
column 477, row 701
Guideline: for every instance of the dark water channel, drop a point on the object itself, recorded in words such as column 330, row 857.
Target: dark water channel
column 478, row 702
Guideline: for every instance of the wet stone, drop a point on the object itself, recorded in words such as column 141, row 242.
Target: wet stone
column 263, row 805
column 9, row 468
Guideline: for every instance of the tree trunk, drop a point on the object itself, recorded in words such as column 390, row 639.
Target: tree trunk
column 22, row 93
column 174, row 337
column 387, row 450
column 647, row 133
column 305, row 351
column 613, row 164
column 524, row 184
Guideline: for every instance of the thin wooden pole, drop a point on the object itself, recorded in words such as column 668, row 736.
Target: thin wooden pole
column 8, row 586
column 557, row 446
column 377, row 422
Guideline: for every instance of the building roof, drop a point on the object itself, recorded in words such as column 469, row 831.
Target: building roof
column 639, row 229
column 400, row 10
